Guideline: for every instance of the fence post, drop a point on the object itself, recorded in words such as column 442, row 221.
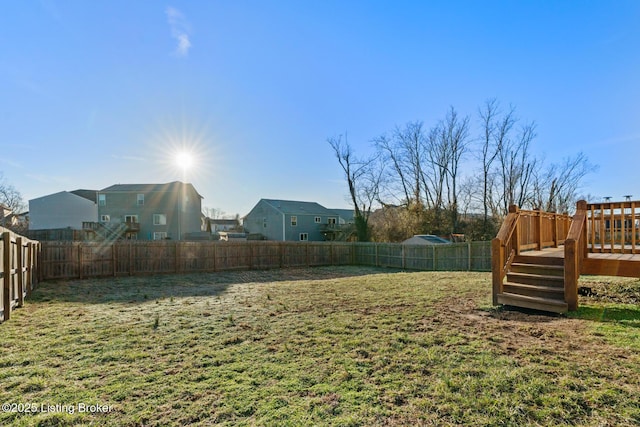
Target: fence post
column 79, row 260
column 177, row 256
column 29, row 267
column 131, row 258
column 469, row 256
column 434, row 257
column 19, row 271
column 6, row 276
column 353, row 254
column 215, row 255
column 331, row 253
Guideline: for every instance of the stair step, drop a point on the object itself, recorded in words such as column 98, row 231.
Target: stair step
column 536, row 279
column 540, row 260
column 550, row 292
column 540, row 269
column 536, row 303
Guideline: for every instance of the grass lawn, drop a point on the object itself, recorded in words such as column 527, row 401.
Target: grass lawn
column 341, row 346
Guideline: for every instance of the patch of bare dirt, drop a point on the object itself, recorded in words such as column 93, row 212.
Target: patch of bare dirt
column 520, row 332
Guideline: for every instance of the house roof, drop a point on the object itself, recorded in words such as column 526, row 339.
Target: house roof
column 146, row 188
column 87, row 194
column 294, row 207
column 428, row 239
column 346, row 214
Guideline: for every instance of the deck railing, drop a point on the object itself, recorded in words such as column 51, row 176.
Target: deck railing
column 613, row 227
column 524, row 230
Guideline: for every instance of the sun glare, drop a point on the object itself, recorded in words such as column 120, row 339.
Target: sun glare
column 184, row 160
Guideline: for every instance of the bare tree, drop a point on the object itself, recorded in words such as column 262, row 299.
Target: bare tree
column 362, row 181
column 404, row 152
column 456, row 142
column 491, row 131
column 555, row 190
column 516, row 164
column 10, row 197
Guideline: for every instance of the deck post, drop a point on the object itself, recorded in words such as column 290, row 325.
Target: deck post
column 497, row 263
column 570, row 275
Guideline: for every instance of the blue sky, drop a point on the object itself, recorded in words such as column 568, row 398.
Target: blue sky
column 104, row 92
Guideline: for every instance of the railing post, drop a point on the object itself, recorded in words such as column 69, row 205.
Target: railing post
column 516, row 235
column 539, row 229
column 555, row 230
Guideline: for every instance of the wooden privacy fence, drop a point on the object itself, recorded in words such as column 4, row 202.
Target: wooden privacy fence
column 65, row 260
column 18, row 270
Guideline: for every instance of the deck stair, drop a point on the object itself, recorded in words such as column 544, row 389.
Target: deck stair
column 535, row 282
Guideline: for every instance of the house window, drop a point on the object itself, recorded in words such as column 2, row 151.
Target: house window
column 331, row 221
column 304, row 237
column 105, row 218
column 102, row 200
column 294, row 220
column 317, row 220
column 140, row 199
column 159, row 219
column 264, row 222
column 159, row 235
column 133, row 219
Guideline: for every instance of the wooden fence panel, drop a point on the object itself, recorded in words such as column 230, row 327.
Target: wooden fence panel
column 389, row 255
column 265, row 254
column 419, row 257
column 63, row 260
column 232, row 256
column 480, row 256
column 341, row 253
column 294, row 254
column 364, row 254
column 319, row 254
column 18, row 271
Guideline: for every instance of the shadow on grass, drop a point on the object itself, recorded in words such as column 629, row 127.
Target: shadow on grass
column 622, row 315
column 521, row 314
column 141, row 289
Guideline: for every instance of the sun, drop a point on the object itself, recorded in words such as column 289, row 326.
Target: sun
column 185, row 160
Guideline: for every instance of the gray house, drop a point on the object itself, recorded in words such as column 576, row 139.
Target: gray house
column 149, row 211
column 288, row 220
column 66, row 209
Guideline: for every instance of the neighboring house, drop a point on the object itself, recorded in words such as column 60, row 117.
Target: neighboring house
column 287, row 220
column 426, row 239
column 345, row 216
column 151, row 211
column 66, row 209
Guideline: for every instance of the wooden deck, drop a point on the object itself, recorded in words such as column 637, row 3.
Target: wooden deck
column 600, row 239
column 596, row 263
